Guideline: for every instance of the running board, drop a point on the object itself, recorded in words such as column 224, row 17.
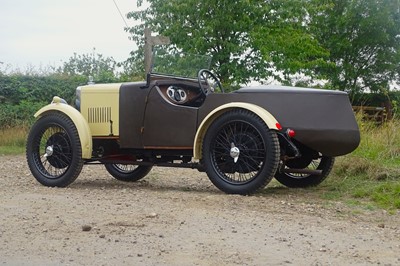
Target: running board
column 302, row 171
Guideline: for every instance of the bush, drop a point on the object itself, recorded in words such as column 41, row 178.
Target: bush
column 19, row 115
column 22, row 95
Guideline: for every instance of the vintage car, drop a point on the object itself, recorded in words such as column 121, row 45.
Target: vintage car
column 241, row 139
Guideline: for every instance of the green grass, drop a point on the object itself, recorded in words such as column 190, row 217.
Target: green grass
column 13, row 140
column 11, row 150
column 370, row 176
column 358, row 188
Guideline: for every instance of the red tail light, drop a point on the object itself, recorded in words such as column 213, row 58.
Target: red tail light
column 278, row 126
column 291, row 133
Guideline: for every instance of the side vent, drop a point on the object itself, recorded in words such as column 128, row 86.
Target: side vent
column 99, row 115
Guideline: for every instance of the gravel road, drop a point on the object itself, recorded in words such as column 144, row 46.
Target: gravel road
column 177, row 217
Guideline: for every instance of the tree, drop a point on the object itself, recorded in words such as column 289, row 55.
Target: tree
column 94, row 65
column 363, row 37
column 353, row 44
column 132, row 69
column 283, row 37
column 194, row 27
column 245, row 38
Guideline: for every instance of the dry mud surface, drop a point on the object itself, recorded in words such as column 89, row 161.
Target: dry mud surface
column 177, row 217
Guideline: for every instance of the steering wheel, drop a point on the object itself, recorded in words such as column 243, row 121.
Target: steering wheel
column 208, row 82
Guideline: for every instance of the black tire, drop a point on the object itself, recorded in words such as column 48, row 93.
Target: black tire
column 53, row 150
column 258, row 156
column 128, row 172
column 307, row 180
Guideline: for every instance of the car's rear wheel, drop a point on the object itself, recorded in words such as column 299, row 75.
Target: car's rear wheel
column 53, row 150
column 240, row 153
column 301, row 180
column 128, row 172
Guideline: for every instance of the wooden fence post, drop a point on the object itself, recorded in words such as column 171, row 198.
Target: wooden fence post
column 149, row 42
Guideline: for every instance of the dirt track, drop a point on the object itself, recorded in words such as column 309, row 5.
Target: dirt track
column 176, row 217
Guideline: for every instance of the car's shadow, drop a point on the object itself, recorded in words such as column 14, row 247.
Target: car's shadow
column 160, row 185
column 178, row 180
column 151, row 185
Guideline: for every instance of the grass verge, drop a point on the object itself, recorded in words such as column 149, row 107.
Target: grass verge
column 360, row 181
column 13, row 140
column 370, row 176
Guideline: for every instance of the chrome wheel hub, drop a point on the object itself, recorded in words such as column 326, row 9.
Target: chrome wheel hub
column 234, row 152
column 49, row 151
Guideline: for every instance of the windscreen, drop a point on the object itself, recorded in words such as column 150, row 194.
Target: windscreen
column 179, row 64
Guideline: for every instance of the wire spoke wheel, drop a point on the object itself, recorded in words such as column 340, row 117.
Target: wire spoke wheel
column 313, row 165
column 54, row 154
column 128, row 172
column 252, row 152
column 125, row 168
column 53, row 150
column 294, row 180
column 240, row 153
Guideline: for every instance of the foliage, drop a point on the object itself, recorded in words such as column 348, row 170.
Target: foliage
column 186, row 65
column 12, row 115
column 133, row 67
column 16, row 88
column 247, row 39
column 94, row 66
column 193, row 27
column 363, row 38
column 22, row 96
column 101, row 69
column 354, row 44
column 282, row 35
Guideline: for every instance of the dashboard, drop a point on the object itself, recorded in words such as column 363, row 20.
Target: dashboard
column 180, row 94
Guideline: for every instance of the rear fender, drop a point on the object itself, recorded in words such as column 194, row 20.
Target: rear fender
column 81, row 125
column 269, row 120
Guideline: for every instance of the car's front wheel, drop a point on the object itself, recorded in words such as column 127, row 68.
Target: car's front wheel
column 128, row 172
column 240, row 153
column 53, row 150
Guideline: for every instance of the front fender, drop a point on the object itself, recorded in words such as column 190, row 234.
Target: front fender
column 269, row 120
column 81, row 125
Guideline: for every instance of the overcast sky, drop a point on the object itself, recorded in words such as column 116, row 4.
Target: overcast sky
column 46, row 32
